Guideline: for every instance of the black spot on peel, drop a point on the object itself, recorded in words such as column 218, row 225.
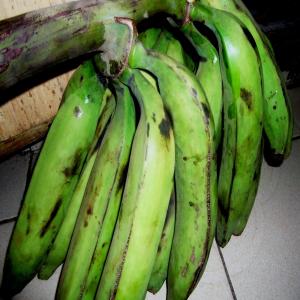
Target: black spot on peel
column 247, row 97
column 148, row 129
column 159, row 249
column 154, row 117
column 194, row 92
column 274, row 107
column 28, row 223
column 81, row 78
column 51, row 217
column 90, row 209
column 165, row 127
column 185, row 158
column 206, row 112
column 103, row 245
column 73, row 169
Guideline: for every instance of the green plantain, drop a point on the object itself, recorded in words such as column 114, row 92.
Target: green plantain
column 195, row 169
column 243, row 72
column 160, row 269
column 278, row 120
column 54, row 178
column 209, row 74
column 59, row 248
column 104, row 189
column 145, row 200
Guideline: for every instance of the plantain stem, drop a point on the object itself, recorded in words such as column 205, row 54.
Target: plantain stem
column 32, row 42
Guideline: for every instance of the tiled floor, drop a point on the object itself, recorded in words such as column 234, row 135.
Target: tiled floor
column 262, row 264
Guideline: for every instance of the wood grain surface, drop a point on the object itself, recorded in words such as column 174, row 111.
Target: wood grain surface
column 26, row 118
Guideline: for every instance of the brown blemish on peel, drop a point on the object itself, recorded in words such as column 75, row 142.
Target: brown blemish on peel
column 74, row 166
column 51, row 217
column 247, row 97
column 164, row 128
column 90, row 209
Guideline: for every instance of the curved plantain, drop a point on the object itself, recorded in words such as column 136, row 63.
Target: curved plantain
column 195, row 168
column 54, row 178
column 59, row 247
column 104, row 189
column 243, row 70
column 145, row 200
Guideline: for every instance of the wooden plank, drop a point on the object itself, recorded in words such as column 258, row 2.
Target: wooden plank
column 25, row 118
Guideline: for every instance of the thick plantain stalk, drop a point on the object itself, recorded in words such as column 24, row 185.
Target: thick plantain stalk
column 31, row 42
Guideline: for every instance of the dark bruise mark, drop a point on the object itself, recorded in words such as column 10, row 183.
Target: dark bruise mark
column 184, row 270
column 28, row 223
column 247, row 97
column 73, row 169
column 200, row 269
column 249, row 37
column 154, row 117
column 159, row 249
column 51, row 217
column 148, row 129
column 78, row 111
column 206, row 112
column 90, row 209
column 122, row 178
column 165, row 128
column 193, row 256
column 195, row 93
column 85, row 223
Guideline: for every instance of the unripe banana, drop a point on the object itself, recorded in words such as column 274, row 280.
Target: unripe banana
column 209, row 74
column 243, row 71
column 251, row 197
column 105, row 187
column 104, row 237
column 145, row 200
column 54, row 178
column 278, row 120
column 160, row 268
column 195, row 169
column 59, row 248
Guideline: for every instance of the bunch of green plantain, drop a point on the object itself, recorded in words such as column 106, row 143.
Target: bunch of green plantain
column 138, row 174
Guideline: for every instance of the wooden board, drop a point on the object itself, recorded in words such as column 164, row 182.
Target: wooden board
column 26, row 118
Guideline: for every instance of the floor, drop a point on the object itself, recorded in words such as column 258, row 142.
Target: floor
column 264, row 263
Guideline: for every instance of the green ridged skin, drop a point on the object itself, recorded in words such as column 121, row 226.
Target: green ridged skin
column 58, row 251
column 54, row 178
column 195, row 168
column 104, row 188
column 149, row 37
column 241, row 225
column 160, row 268
column 209, row 74
column 163, row 41
column 278, row 120
column 105, row 235
column 243, row 71
column 145, row 200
